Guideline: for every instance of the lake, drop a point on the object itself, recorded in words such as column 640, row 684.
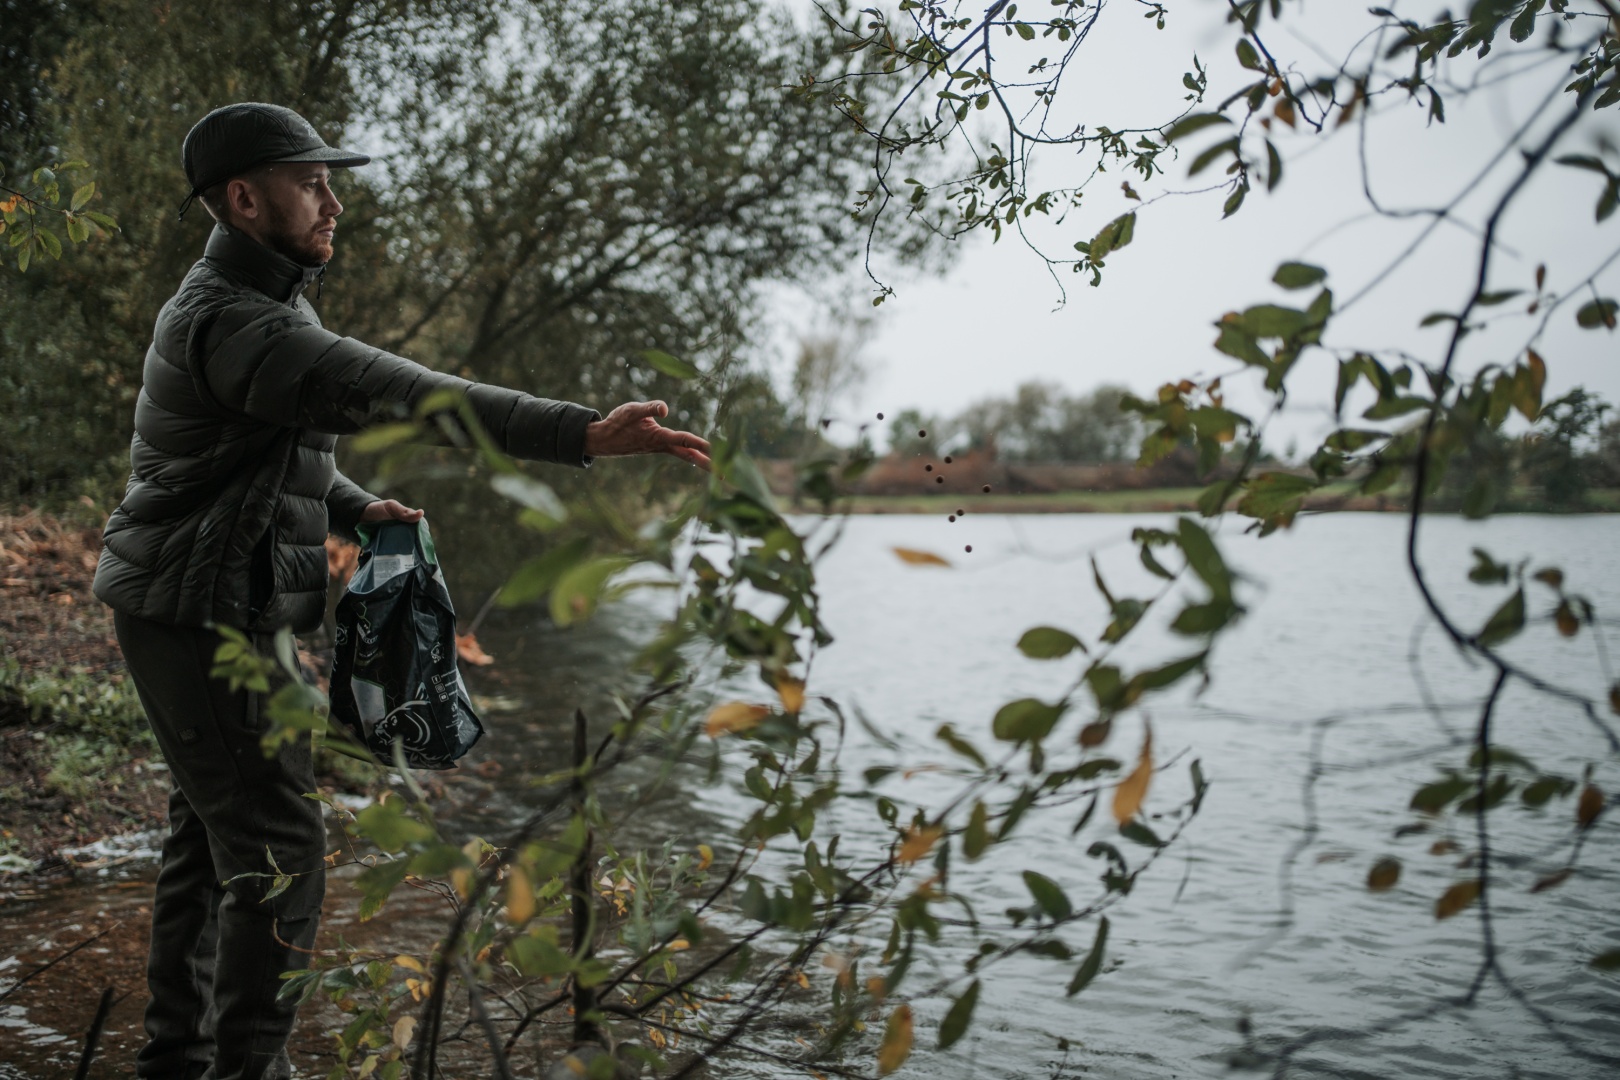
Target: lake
column 1331, row 701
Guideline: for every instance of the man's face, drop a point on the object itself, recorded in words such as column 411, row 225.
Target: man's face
column 300, row 212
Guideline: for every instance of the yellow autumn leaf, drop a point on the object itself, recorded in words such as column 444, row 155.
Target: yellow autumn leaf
column 919, row 842
column 791, row 691
column 1132, row 790
column 404, row 1027
column 732, row 717
column 1456, row 898
column 680, row 944
column 896, row 1045
column 519, row 897
column 919, row 558
column 705, row 856
column 411, row 963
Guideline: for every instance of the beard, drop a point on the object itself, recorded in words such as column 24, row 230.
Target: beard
column 306, row 249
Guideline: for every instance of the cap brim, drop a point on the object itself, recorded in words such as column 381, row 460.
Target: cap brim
column 326, row 155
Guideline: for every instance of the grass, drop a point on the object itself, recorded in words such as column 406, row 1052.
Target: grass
column 1174, row 500
column 1152, row 500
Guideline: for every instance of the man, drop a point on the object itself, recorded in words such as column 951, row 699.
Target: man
column 231, row 493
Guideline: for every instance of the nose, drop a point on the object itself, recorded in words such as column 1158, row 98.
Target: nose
column 330, row 205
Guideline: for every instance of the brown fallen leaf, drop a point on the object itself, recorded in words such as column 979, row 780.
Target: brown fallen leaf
column 897, row 1036
column 919, row 558
column 1589, row 807
column 919, row 842
column 1456, row 898
column 1384, row 874
column 467, row 648
column 732, row 717
column 1128, row 797
column 791, row 691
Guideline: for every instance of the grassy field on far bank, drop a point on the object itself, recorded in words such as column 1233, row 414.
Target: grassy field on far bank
column 1169, row 500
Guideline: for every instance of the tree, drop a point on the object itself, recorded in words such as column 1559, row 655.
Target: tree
column 1041, row 423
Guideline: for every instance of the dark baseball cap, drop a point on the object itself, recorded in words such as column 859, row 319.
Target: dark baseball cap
column 231, row 140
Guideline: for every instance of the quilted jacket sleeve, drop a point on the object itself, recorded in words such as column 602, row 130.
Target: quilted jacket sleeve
column 344, row 504
column 273, row 363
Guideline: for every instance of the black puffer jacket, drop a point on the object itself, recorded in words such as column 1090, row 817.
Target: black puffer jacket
column 232, row 485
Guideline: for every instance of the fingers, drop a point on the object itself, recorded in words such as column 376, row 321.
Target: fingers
column 632, row 411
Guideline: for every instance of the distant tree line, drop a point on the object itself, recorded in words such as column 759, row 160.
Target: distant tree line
column 1037, row 422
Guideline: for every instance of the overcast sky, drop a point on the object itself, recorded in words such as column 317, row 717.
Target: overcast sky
column 993, row 320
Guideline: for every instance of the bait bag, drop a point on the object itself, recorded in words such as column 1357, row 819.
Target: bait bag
column 394, row 673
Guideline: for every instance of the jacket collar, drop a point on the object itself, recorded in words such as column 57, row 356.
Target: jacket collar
column 245, row 259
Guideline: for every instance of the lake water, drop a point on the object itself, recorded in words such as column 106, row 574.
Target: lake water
column 1331, row 701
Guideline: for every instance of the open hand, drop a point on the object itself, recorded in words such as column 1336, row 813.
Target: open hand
column 633, row 428
column 389, row 510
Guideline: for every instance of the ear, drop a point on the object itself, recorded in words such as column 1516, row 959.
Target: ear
column 243, row 199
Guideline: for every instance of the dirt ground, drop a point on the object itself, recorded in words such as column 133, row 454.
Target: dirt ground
column 51, row 623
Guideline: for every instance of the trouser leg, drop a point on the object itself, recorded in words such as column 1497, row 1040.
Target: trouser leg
column 256, row 821
column 180, row 963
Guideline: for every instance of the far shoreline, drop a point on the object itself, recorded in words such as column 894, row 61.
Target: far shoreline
column 1151, row 501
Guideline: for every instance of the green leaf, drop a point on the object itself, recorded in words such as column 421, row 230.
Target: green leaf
column 1607, row 961
column 1025, row 720
column 672, row 366
column 1247, row 56
column 1487, row 571
column 1596, row 313
column 1432, row 798
column 1204, row 558
column 1204, row 159
column 1273, row 321
column 532, row 493
column 977, row 835
column 960, row 1014
column 1275, row 497
column 1187, row 125
column 1048, row 643
column 385, row 825
column 384, row 436
column 536, row 577
column 1538, row 792
column 82, row 196
column 51, row 243
column 25, row 255
column 1139, row 833
column 1240, row 344
column 1093, row 961
column 1296, row 275
column 1173, row 672
column 1048, row 895
column 1507, row 621
column 579, row 588
column 1525, row 24
column 1204, row 618
column 1113, row 236
column 1234, row 200
column 1027, row 32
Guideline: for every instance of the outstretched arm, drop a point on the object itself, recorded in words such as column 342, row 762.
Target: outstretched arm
column 633, row 428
